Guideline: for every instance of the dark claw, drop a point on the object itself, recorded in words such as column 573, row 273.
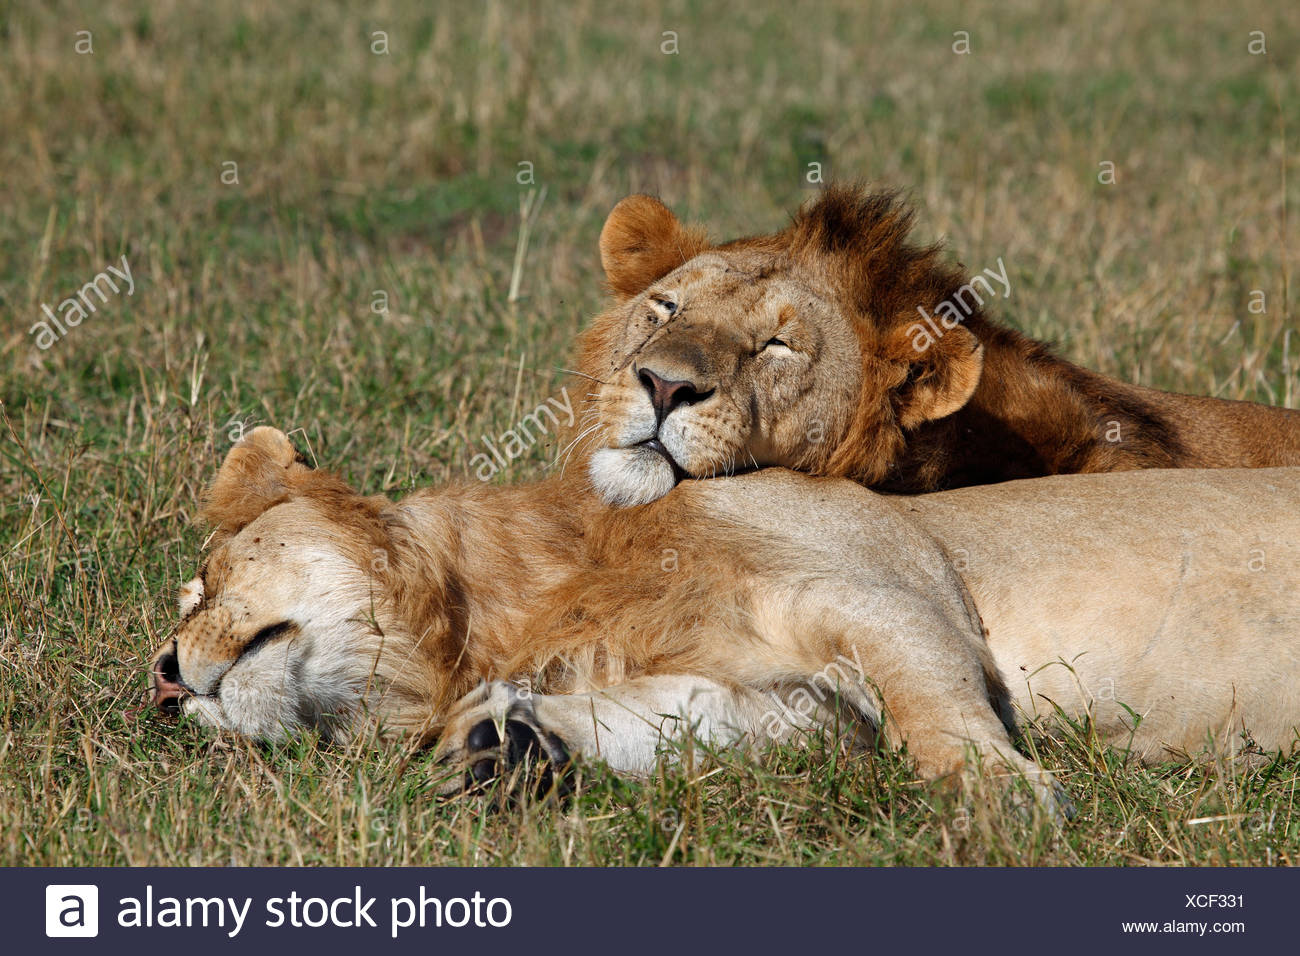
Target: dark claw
column 523, row 746
column 556, row 752
column 483, row 736
column 483, row 771
column 543, row 750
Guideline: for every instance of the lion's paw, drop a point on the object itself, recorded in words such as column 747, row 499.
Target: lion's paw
column 495, row 734
column 1019, row 785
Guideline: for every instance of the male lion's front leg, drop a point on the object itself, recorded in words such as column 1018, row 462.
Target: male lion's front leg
column 500, row 726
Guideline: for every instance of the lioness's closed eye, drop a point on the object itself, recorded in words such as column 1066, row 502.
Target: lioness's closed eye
column 837, row 347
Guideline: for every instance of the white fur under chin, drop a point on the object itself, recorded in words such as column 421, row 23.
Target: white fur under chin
column 265, row 702
column 625, row 477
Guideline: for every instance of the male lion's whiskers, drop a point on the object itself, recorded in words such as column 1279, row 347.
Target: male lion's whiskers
column 574, row 371
column 570, row 448
column 593, row 400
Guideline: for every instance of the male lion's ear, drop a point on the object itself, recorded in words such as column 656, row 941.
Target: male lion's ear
column 943, row 373
column 643, row 241
column 259, row 472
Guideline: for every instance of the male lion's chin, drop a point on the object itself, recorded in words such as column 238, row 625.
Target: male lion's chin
column 625, row 477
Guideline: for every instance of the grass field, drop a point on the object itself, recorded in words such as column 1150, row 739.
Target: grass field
column 268, row 171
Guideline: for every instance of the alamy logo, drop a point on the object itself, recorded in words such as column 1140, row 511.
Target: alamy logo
column 519, row 439
column 71, row 909
column 74, row 310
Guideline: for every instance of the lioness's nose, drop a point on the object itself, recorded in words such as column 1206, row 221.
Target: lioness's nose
column 167, row 687
column 666, row 395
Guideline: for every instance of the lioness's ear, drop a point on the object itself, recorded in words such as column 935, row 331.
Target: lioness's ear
column 943, row 372
column 643, row 241
column 260, row 471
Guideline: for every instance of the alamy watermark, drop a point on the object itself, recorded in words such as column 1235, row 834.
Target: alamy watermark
column 513, row 442
column 75, row 309
column 807, row 701
column 955, row 309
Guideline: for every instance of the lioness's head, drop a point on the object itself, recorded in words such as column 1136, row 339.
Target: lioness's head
column 800, row 348
column 279, row 632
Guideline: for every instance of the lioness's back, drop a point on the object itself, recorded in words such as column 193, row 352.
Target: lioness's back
column 1172, row 595
column 1138, row 510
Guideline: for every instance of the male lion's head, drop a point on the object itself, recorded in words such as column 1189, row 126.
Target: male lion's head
column 799, row 349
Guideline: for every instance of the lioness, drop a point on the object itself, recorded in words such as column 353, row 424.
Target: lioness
column 742, row 610
column 836, row 347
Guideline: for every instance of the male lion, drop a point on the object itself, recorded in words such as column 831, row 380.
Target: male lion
column 744, row 609
column 837, row 348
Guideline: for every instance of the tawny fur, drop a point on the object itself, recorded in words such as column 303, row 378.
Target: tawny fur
column 853, row 396
column 1168, row 594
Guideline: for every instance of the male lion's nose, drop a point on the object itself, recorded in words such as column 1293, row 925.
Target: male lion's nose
column 666, row 395
column 167, row 687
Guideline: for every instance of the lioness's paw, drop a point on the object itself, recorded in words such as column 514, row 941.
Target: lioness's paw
column 495, row 735
column 1019, row 785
